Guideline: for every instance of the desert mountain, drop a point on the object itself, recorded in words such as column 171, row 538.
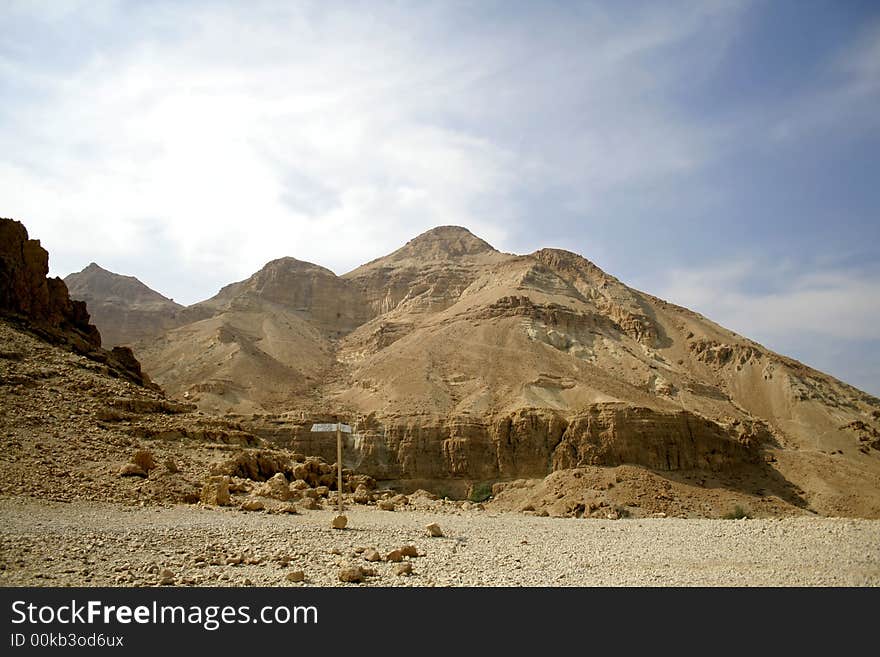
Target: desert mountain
column 80, row 422
column 125, row 309
column 457, row 360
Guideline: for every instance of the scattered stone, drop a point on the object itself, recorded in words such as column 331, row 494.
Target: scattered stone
column 434, row 530
column 309, row 503
column 372, row 555
column 287, row 508
column 352, row 574
column 404, row 568
column 339, row 521
column 248, row 582
column 132, row 470
column 395, row 556
column 252, row 505
column 295, row 576
column 386, row 505
column 409, row 551
column 166, row 577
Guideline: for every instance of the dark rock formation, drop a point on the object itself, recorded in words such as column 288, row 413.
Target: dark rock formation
column 43, row 306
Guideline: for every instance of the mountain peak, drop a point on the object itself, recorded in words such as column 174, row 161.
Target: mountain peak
column 438, row 244
column 454, row 240
column 291, row 264
column 96, row 284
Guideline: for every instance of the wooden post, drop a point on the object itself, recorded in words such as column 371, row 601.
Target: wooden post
column 339, row 466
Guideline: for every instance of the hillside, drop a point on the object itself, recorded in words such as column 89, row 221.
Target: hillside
column 461, row 362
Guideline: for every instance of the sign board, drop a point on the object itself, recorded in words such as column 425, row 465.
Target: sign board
column 344, row 428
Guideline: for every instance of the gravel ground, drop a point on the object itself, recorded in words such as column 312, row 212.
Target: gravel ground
column 95, row 544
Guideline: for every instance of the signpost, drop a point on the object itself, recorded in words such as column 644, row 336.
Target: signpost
column 339, row 429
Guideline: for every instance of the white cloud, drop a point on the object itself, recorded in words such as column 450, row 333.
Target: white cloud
column 249, row 132
column 831, row 304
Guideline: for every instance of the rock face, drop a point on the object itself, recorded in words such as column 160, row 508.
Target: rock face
column 124, row 309
column 25, row 289
column 44, row 306
column 463, row 363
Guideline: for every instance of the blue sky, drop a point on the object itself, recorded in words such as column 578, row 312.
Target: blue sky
column 721, row 155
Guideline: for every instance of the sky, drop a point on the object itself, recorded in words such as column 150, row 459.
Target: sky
column 720, row 155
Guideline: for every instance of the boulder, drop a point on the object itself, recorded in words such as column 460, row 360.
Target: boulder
column 275, row 487
column 131, row 470
column 352, row 574
column 362, row 495
column 339, row 521
column 409, row 551
column 395, row 556
column 355, row 481
column 215, row 492
column 404, row 568
column 371, row 554
column 434, row 530
column 252, row 505
column 144, row 459
column 295, row 576
column 386, row 505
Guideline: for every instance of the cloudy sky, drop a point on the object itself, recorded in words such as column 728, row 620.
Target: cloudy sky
column 721, row 155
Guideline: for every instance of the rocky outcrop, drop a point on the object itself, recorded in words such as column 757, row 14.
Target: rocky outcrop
column 26, row 291
column 615, row 300
column 43, row 305
column 615, row 434
column 535, row 442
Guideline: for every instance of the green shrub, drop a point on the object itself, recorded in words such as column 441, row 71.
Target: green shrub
column 481, row 492
column 737, row 513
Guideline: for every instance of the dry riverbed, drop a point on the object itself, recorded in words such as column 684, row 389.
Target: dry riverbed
column 96, row 544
